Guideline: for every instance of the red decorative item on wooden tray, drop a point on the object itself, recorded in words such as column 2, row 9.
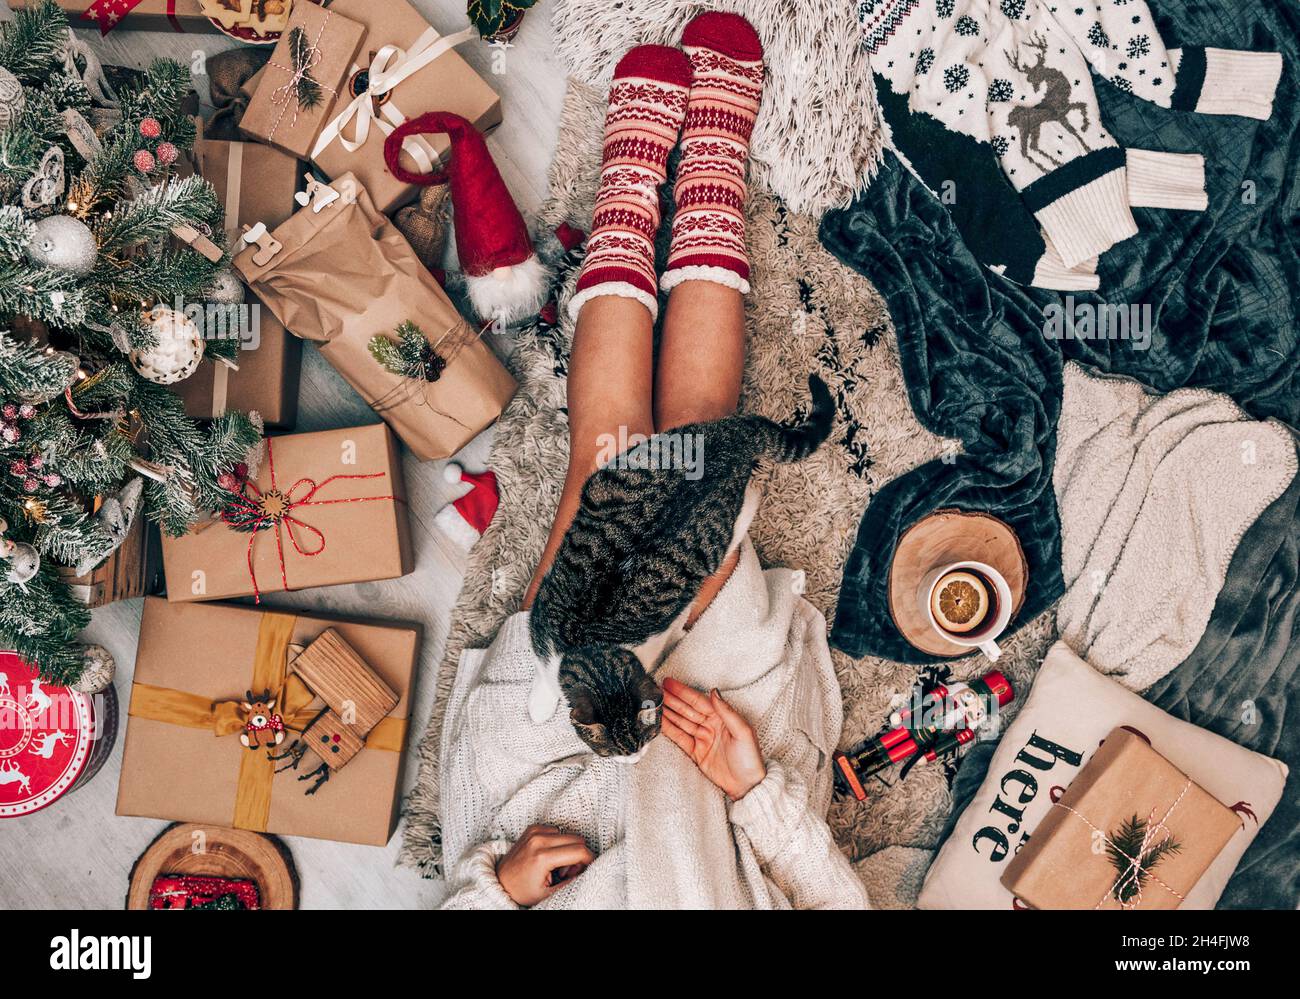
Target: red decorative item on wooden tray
column 52, row 739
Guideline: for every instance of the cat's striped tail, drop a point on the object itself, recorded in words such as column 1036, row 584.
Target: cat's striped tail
column 794, row 443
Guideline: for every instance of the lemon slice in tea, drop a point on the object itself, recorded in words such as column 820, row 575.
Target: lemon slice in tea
column 960, row 602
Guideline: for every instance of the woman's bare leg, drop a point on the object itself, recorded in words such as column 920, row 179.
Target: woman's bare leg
column 698, row 375
column 611, row 373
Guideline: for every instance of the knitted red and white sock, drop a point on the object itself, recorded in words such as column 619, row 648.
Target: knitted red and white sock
column 708, row 241
column 647, row 104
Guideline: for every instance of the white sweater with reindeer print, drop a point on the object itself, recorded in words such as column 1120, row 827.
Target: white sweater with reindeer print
column 1015, row 74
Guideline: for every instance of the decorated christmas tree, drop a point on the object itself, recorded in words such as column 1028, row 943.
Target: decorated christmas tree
column 97, row 236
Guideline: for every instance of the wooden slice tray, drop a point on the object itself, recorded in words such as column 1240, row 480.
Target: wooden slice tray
column 950, row 536
column 228, row 853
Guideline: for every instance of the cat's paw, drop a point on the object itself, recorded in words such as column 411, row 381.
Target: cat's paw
column 543, row 699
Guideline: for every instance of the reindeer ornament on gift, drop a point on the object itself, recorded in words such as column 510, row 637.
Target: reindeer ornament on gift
column 260, row 720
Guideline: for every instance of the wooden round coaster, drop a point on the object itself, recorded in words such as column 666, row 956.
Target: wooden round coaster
column 950, row 536
column 226, row 853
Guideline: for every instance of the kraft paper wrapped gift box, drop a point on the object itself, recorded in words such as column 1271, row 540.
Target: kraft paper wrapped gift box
column 194, row 662
column 330, row 508
column 256, row 184
column 1077, row 857
column 354, row 43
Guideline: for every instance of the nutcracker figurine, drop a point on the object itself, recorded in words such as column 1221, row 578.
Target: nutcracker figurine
column 945, row 720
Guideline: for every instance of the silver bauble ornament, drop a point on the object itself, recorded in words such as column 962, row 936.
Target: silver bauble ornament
column 98, row 672
column 12, row 99
column 23, row 563
column 178, row 350
column 226, row 288
column 63, row 243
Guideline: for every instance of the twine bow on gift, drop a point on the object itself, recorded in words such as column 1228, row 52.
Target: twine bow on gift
column 254, row 510
column 1136, row 868
column 389, row 67
column 301, row 89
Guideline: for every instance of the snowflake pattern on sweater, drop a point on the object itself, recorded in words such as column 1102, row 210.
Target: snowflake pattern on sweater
column 1016, row 76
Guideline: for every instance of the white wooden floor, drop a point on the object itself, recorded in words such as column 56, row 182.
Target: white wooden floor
column 77, row 853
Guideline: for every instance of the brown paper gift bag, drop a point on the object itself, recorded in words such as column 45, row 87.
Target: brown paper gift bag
column 193, row 661
column 255, row 183
column 335, row 512
column 344, row 274
column 1069, row 862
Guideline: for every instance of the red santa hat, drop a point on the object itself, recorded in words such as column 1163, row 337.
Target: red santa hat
column 505, row 279
column 465, row 519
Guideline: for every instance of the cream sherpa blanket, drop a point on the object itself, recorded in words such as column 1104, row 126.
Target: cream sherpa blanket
column 1154, row 492
column 664, row 836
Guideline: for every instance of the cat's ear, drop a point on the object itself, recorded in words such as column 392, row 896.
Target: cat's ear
column 582, row 713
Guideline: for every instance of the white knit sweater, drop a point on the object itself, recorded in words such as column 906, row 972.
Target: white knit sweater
column 664, row 836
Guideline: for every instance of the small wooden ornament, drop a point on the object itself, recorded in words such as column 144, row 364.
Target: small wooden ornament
column 356, row 701
column 267, row 245
column 317, row 194
column 190, row 236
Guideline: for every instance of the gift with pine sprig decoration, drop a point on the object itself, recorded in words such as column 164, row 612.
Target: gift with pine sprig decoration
column 1132, row 831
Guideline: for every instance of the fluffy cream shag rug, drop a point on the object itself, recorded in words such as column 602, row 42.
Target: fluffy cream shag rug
column 807, row 312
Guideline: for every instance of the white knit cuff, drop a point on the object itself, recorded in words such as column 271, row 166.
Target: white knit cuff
column 620, row 289
column 1090, row 219
column 718, row 275
column 1051, row 272
column 1166, row 180
column 478, row 868
column 767, row 812
column 1226, row 81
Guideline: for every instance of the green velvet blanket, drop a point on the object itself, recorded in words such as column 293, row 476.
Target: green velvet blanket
column 1221, row 287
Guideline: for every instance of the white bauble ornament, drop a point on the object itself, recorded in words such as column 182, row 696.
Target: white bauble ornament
column 63, row 243
column 98, row 672
column 23, row 563
column 226, row 288
column 178, row 351
column 12, row 99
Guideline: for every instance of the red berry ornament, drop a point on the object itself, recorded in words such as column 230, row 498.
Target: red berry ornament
column 151, row 128
column 144, row 161
column 167, row 153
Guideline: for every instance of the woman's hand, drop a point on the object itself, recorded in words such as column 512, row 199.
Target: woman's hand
column 717, row 739
column 541, row 862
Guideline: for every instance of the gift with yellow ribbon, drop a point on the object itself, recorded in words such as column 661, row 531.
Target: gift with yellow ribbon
column 369, row 67
column 183, row 758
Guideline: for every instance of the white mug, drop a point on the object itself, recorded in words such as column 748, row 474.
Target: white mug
column 984, row 637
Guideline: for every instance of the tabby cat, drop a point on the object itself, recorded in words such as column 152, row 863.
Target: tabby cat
column 646, row 536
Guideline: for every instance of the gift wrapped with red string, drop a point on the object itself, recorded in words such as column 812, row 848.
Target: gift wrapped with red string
column 322, row 509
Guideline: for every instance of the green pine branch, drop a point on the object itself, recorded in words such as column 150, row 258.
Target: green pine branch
column 1126, row 843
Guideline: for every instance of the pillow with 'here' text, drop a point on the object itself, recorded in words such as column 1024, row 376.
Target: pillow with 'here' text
column 1070, row 710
